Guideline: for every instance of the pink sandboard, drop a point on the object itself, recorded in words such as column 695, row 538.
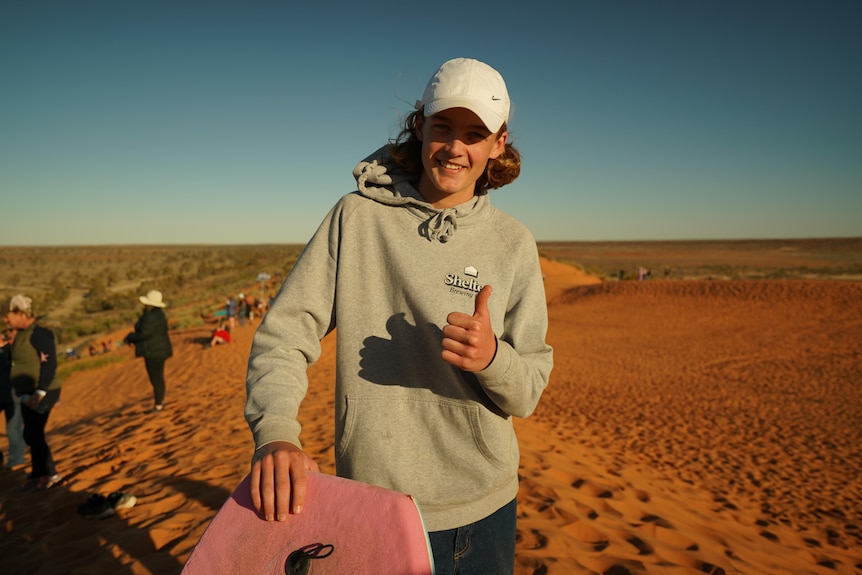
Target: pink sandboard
column 345, row 527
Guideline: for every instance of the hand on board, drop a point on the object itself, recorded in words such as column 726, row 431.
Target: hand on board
column 278, row 481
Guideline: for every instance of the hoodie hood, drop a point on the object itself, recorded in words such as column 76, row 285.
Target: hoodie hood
column 379, row 179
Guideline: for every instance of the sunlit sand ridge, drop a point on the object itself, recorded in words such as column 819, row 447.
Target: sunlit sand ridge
column 690, row 427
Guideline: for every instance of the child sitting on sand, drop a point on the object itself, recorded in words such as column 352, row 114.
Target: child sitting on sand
column 432, row 365
column 221, row 335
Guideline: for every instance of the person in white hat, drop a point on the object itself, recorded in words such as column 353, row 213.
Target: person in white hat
column 431, row 366
column 152, row 342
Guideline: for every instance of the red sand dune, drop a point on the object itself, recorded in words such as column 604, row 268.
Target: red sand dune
column 689, row 428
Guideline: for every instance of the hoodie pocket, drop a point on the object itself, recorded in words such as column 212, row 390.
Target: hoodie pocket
column 436, row 449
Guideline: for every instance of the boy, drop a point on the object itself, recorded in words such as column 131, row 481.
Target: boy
column 431, row 366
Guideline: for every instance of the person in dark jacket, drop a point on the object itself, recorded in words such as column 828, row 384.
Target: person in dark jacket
column 10, row 405
column 35, row 382
column 151, row 342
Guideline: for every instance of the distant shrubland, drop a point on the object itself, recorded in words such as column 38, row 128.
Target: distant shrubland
column 85, row 291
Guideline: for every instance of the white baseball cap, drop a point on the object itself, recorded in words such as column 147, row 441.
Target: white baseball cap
column 471, row 84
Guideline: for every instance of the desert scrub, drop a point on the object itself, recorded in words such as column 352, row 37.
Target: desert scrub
column 69, row 366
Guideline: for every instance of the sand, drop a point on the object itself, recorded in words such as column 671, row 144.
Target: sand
column 689, row 427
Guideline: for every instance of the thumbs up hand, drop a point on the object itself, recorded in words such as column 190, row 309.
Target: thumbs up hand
column 469, row 342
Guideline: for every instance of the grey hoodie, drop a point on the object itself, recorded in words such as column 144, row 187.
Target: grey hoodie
column 386, row 268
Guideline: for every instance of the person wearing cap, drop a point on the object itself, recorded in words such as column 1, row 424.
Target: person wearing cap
column 152, row 342
column 440, row 308
column 34, row 379
column 242, row 314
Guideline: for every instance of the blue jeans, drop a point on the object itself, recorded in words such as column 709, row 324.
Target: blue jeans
column 14, row 432
column 486, row 547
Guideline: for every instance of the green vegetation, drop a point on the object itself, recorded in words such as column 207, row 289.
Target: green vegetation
column 69, row 367
column 84, row 291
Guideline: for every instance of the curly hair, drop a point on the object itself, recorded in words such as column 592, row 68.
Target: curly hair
column 406, row 153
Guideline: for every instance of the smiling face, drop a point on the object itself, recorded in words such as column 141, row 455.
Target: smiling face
column 456, row 147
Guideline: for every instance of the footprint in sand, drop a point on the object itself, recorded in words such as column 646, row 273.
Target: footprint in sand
column 532, row 539
column 587, row 536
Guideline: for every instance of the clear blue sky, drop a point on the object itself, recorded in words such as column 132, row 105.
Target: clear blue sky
column 240, row 122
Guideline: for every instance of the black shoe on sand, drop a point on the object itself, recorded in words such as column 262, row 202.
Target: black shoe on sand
column 96, row 507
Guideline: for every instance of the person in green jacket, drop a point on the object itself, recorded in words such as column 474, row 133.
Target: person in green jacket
column 152, row 342
column 34, row 380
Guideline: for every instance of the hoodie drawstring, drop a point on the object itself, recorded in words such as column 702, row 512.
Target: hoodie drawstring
column 441, row 226
column 373, row 170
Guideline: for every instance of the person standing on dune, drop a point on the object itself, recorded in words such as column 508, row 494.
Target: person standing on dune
column 432, row 366
column 34, row 379
column 152, row 342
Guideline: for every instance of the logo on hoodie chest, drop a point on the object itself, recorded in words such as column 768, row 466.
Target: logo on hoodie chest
column 465, row 283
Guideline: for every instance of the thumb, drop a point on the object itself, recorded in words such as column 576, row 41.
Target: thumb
column 482, row 302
